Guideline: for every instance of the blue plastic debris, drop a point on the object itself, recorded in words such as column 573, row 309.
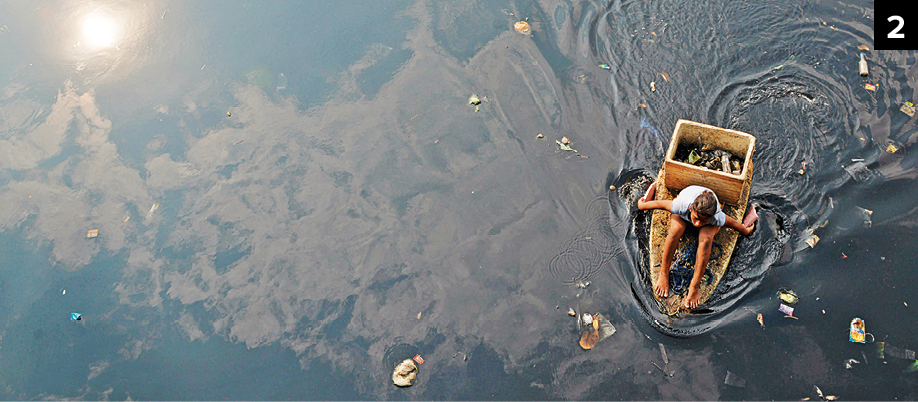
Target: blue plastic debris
column 76, row 316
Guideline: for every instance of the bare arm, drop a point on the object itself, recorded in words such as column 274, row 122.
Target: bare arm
column 655, row 204
column 647, row 202
column 737, row 226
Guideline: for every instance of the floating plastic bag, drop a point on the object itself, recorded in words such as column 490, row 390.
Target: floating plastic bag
column 600, row 329
column 788, row 296
column 734, row 380
column 898, row 352
column 405, row 373
column 606, row 329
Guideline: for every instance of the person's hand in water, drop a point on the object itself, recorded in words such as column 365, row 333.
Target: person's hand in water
column 751, row 217
column 648, row 196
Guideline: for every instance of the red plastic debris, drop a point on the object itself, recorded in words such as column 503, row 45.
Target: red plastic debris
column 419, row 359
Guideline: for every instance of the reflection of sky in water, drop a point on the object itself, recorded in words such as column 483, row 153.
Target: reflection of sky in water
column 321, row 184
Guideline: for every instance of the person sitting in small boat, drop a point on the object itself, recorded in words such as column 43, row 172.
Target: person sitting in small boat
column 699, row 206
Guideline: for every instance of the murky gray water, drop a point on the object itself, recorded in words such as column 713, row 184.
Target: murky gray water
column 327, row 203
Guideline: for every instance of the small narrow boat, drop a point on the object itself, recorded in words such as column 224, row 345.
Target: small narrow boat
column 732, row 191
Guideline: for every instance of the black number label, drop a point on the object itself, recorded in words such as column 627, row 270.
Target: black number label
column 894, row 34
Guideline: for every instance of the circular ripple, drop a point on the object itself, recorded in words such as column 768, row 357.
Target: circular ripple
column 581, row 257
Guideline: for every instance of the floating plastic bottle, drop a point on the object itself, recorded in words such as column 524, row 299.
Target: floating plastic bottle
column 862, row 65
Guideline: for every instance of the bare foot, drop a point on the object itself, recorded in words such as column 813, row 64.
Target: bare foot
column 661, row 289
column 693, row 300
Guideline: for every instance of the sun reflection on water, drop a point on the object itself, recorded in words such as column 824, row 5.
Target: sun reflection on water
column 100, row 31
column 102, row 41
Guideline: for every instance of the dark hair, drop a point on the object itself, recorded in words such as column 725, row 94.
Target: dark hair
column 705, row 204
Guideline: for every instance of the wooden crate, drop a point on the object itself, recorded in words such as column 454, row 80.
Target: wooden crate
column 727, row 186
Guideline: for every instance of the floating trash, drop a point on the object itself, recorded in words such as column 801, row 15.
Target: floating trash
column 76, row 316
column 908, row 108
column 587, row 319
column 522, row 27
column 870, row 87
column 418, row 359
column 812, row 240
column 788, row 310
column 600, row 329
column 571, row 312
column 663, row 353
column 474, row 100
column 565, row 147
column 865, row 214
column 859, row 171
column 826, row 397
column 152, row 210
column 281, row 82
column 605, row 66
column 405, row 373
column 884, row 348
column 760, row 320
column 606, row 329
column 92, row 233
column 857, row 331
column 734, row 380
column 788, row 296
column 670, row 374
column 894, row 147
column 850, row 363
column 590, row 336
